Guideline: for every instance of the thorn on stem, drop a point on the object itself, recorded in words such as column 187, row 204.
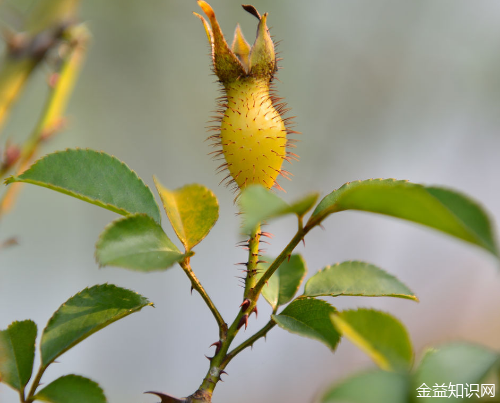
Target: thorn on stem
column 218, row 345
column 243, row 321
column 256, row 312
column 245, row 304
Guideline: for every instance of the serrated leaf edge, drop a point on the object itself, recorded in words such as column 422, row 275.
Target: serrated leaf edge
column 107, row 206
column 120, row 219
column 200, row 186
column 16, row 358
column 412, row 297
column 97, row 328
column 321, row 338
column 381, row 361
column 88, row 380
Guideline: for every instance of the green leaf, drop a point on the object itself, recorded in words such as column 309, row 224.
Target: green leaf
column 310, row 317
column 285, row 282
column 192, row 210
column 72, row 389
column 370, row 387
column 94, row 177
column 456, row 363
column 84, row 314
column 138, row 243
column 356, row 278
column 441, row 209
column 378, row 334
column 259, row 204
column 17, row 352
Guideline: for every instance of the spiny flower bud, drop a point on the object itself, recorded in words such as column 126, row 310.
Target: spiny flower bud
column 251, row 132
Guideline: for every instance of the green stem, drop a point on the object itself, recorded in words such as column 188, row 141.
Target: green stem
column 35, row 383
column 220, row 360
column 21, row 396
column 301, row 233
column 248, row 342
column 253, row 259
column 195, row 283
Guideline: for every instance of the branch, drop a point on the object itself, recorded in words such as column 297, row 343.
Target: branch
column 248, row 343
column 195, row 283
column 50, row 121
column 45, row 25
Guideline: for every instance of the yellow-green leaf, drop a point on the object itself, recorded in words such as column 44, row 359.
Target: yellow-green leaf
column 378, row 334
column 192, row 210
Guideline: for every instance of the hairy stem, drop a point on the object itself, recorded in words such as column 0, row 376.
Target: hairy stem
column 195, row 283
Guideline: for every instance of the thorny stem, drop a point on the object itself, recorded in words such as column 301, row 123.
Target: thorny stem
column 253, row 259
column 195, row 283
column 249, row 342
column 222, row 357
column 301, row 233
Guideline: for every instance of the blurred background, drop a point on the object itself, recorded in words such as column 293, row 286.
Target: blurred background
column 402, row 89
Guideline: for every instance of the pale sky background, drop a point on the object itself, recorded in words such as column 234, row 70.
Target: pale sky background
column 391, row 89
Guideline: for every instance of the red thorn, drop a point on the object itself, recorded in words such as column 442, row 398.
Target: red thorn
column 267, row 234
column 209, row 358
column 192, row 288
column 166, row 398
column 218, row 345
column 261, row 261
column 11, row 155
column 304, row 242
column 256, row 312
column 245, row 304
column 53, row 79
column 243, row 321
column 289, row 256
column 321, row 226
